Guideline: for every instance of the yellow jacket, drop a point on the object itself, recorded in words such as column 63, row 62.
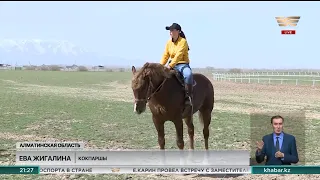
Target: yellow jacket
column 177, row 51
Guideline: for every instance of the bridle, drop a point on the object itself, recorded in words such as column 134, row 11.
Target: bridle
column 150, row 87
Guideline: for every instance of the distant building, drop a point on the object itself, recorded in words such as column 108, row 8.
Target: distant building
column 73, row 67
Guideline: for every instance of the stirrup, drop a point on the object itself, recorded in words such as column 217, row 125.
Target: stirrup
column 188, row 101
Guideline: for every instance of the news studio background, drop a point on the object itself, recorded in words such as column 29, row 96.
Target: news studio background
column 68, row 113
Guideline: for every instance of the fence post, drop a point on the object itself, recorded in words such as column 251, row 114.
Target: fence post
column 269, row 80
column 296, row 82
column 249, row 79
column 258, row 80
column 281, row 80
column 313, row 83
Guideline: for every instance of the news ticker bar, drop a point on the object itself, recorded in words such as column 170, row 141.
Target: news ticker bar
column 134, row 158
column 125, row 170
column 160, row 170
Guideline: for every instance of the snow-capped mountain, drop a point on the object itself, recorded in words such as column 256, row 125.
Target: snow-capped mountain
column 38, row 47
column 38, row 52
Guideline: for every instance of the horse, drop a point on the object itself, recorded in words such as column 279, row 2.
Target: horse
column 163, row 90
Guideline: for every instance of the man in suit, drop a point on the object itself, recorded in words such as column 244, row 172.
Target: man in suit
column 279, row 147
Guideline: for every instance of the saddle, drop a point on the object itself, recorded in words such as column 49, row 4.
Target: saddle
column 178, row 76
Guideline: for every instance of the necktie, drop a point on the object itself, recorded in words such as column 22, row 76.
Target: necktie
column 277, row 144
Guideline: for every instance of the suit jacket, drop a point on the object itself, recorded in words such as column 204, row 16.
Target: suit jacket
column 288, row 148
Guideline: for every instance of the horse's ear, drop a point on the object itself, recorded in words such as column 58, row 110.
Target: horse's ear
column 133, row 69
column 146, row 65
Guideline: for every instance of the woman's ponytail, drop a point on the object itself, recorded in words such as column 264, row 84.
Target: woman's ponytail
column 183, row 36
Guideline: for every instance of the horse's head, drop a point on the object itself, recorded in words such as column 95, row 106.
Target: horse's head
column 145, row 81
column 140, row 85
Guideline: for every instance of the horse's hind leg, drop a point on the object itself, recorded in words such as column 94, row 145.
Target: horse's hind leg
column 189, row 122
column 205, row 120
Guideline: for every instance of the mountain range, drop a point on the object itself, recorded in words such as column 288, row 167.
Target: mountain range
column 38, row 52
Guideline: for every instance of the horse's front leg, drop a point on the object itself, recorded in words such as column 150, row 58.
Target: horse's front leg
column 159, row 124
column 179, row 130
column 178, row 123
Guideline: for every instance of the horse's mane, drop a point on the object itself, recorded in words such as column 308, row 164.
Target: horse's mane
column 156, row 71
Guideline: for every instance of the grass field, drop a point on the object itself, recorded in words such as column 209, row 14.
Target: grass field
column 97, row 107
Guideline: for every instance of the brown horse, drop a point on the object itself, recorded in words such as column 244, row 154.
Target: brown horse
column 162, row 88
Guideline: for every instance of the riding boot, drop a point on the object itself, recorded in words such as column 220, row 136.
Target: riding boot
column 188, row 110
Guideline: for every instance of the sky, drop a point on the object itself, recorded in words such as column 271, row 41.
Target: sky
column 220, row 34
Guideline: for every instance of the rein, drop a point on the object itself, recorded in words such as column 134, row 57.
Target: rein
column 150, row 87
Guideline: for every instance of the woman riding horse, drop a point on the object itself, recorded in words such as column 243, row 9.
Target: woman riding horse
column 177, row 50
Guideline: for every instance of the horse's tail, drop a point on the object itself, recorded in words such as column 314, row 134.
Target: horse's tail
column 207, row 107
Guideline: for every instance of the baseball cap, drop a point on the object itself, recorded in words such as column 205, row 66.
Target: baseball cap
column 174, row 26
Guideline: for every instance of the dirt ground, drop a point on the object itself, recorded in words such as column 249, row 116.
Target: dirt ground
column 271, row 97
